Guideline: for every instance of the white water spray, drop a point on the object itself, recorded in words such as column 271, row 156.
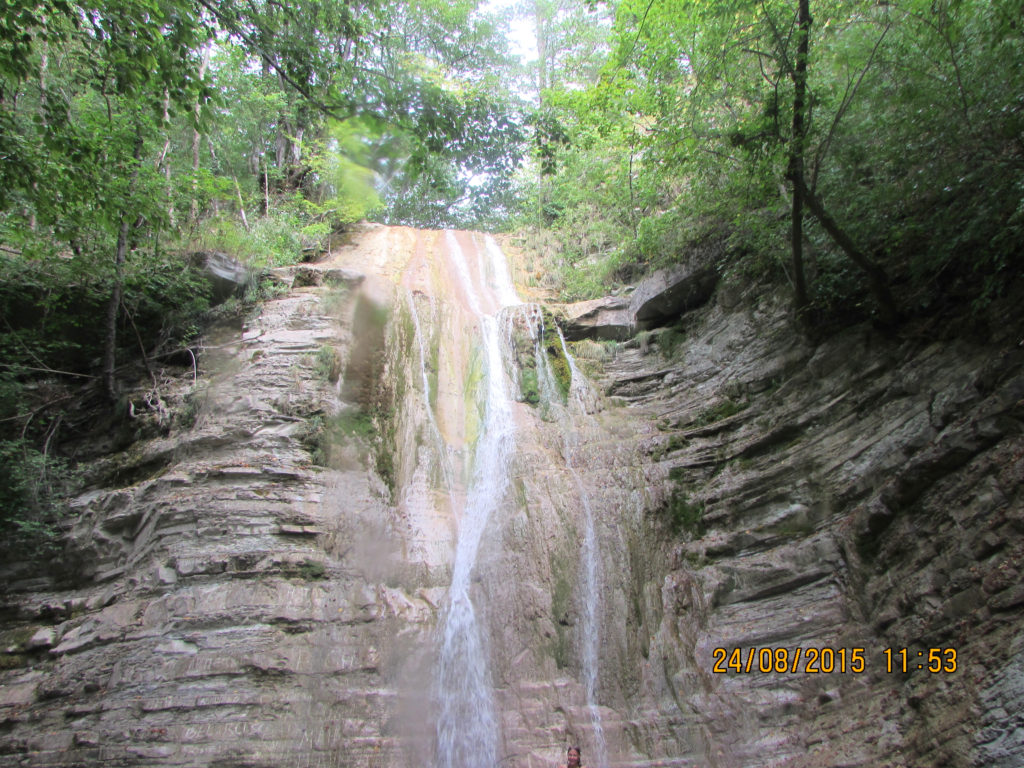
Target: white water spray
column 500, row 274
column 462, row 270
column 467, row 728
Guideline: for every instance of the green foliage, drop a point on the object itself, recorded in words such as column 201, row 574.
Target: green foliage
column 307, row 570
column 681, row 514
column 684, row 140
column 322, row 436
column 284, row 236
column 265, row 288
column 273, row 241
column 560, row 368
column 327, row 363
column 33, row 487
column 312, row 570
column 315, row 438
column 355, row 422
column 670, row 340
column 55, row 306
column 529, row 386
column 551, row 344
column 187, row 415
column 723, row 410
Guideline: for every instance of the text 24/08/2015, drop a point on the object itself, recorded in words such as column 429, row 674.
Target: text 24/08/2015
column 828, row 660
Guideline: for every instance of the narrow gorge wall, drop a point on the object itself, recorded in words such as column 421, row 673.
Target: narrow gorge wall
column 271, row 584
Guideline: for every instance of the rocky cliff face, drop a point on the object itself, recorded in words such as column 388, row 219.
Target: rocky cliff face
column 269, row 585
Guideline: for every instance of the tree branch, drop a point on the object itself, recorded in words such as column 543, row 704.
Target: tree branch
column 249, row 39
column 878, row 281
column 819, row 155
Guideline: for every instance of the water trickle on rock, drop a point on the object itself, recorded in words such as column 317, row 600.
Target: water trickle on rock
column 433, row 455
column 590, row 642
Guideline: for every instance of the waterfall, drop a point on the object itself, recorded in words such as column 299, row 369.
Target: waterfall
column 462, row 271
column 435, row 430
column 591, row 625
column 550, row 397
column 590, row 642
column 467, row 727
column 499, row 272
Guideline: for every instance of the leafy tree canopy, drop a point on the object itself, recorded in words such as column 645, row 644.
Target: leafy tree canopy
column 688, row 136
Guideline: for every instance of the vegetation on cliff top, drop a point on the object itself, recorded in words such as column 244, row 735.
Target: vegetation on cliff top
column 867, row 154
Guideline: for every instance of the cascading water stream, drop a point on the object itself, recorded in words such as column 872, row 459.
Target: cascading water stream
column 467, row 728
column 499, row 271
column 435, row 431
column 590, row 556
column 591, row 626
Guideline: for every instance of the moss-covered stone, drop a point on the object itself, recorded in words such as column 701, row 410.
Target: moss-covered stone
column 551, row 342
column 683, row 514
column 559, row 367
column 723, row 410
column 471, row 389
column 529, row 386
column 308, row 569
column 561, row 606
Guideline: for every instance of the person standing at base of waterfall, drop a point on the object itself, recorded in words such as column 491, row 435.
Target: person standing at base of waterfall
column 572, row 758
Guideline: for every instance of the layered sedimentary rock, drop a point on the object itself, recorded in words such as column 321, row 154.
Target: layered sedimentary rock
column 268, row 585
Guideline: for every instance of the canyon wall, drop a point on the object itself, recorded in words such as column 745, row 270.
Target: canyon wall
column 267, row 580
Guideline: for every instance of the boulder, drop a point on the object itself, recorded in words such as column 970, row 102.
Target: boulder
column 664, row 296
column 604, row 318
column 658, row 300
column 228, row 277
column 336, row 276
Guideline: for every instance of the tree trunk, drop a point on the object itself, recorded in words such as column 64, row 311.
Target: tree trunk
column 238, row 189
column 796, row 156
column 265, row 187
column 163, row 161
column 241, row 203
column 114, row 304
column 44, row 63
column 193, row 210
column 878, row 280
column 541, row 34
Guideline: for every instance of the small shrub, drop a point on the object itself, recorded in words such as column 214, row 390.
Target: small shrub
column 320, row 435
column 313, row 437
column 312, row 570
column 587, row 349
column 327, row 364
column 33, row 489
column 723, row 410
column 187, row 414
column 670, row 340
column 681, row 514
column 265, row 288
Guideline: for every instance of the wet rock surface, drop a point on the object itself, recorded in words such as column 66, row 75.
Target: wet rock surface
column 255, row 589
column 222, row 618
column 858, row 494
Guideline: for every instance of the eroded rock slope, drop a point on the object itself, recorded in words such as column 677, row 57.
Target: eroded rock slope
column 265, row 587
